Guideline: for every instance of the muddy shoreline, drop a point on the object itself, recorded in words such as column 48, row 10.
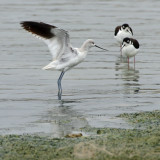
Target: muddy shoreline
column 140, row 143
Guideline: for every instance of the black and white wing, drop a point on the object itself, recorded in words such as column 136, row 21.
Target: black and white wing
column 135, row 43
column 131, row 30
column 117, row 30
column 58, row 40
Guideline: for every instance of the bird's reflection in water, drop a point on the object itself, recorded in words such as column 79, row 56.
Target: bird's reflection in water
column 64, row 119
column 130, row 76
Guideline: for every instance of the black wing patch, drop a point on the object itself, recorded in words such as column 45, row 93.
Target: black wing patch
column 39, row 28
column 117, row 30
column 135, row 43
column 131, row 30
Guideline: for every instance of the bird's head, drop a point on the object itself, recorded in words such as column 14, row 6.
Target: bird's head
column 126, row 42
column 90, row 43
column 125, row 27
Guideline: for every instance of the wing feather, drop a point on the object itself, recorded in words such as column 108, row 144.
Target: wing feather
column 117, row 30
column 58, row 40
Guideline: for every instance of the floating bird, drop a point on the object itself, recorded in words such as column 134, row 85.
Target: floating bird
column 130, row 48
column 64, row 55
column 122, row 32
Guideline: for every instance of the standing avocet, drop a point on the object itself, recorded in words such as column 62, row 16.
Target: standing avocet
column 64, row 55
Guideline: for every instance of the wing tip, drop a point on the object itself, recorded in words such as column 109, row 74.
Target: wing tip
column 38, row 28
column 26, row 25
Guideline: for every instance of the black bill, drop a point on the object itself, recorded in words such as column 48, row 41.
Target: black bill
column 101, row 48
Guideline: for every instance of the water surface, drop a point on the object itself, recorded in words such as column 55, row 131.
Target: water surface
column 95, row 91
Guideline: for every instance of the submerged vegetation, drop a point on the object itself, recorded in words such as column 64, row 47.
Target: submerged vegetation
column 140, row 143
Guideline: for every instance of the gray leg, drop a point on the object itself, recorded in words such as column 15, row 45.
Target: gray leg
column 59, row 85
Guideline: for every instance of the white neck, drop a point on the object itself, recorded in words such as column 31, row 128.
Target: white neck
column 85, row 47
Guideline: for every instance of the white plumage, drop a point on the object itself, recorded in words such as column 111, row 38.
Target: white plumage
column 129, row 51
column 64, row 55
column 122, row 32
column 130, row 48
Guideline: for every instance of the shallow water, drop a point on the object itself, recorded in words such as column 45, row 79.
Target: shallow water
column 95, row 91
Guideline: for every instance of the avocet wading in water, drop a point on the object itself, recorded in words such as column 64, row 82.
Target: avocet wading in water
column 122, row 32
column 130, row 48
column 64, row 55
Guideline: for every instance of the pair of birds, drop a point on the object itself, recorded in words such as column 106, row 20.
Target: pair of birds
column 128, row 46
column 64, row 56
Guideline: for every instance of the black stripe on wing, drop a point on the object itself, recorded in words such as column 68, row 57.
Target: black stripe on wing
column 117, row 30
column 135, row 43
column 39, row 28
column 131, row 30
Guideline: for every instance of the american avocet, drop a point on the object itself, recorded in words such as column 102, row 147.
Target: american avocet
column 130, row 48
column 64, row 55
column 122, row 32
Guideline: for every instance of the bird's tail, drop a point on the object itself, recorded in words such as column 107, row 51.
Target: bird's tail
column 49, row 66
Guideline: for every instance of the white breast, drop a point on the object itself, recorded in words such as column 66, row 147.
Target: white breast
column 66, row 65
column 121, row 35
column 129, row 51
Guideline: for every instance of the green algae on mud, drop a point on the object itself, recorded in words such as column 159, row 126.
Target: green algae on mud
column 143, row 120
column 140, row 143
